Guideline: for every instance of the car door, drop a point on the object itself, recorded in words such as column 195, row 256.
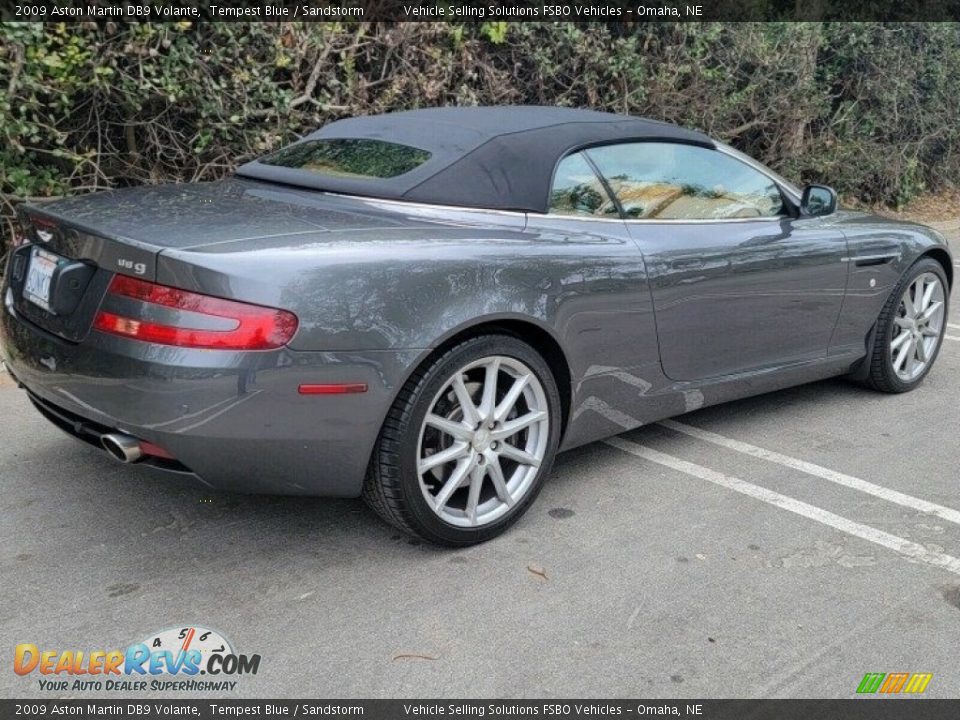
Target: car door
column 602, row 309
column 739, row 282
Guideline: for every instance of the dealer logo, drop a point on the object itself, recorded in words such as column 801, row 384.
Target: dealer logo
column 170, row 659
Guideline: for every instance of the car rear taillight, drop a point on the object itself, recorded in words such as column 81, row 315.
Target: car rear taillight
column 249, row 327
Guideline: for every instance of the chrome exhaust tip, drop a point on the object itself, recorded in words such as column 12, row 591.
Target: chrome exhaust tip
column 124, row 448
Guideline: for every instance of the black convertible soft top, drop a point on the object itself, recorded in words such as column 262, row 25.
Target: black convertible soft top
column 500, row 158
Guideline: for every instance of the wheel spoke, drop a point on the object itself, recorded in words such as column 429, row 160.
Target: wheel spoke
column 512, row 427
column 929, row 331
column 930, row 310
column 921, row 350
column 470, row 415
column 903, row 322
column 510, row 399
column 499, row 482
column 489, row 396
column 908, row 306
column 454, row 452
column 900, row 359
column 911, row 356
column 452, row 428
column 927, row 297
column 517, row 455
column 918, row 288
column 452, row 484
column 473, row 499
column 899, row 340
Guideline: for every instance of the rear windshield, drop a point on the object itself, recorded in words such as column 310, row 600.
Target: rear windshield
column 350, row 158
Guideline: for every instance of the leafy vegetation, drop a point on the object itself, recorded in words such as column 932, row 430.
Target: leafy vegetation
column 870, row 108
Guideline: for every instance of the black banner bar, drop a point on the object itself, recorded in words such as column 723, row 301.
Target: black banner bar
column 874, row 708
column 623, row 11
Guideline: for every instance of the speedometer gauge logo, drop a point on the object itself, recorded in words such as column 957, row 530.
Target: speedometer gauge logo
column 184, row 639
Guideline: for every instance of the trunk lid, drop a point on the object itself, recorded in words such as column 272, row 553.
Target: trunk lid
column 203, row 237
column 73, row 247
column 187, row 215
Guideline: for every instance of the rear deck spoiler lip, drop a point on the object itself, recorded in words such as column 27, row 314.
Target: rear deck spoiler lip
column 81, row 241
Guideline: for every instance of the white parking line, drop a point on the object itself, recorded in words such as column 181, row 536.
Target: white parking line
column 864, row 532
column 819, row 471
column 951, row 337
column 951, row 325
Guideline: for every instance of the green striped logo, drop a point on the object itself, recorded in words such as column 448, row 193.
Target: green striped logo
column 871, row 682
column 894, row 683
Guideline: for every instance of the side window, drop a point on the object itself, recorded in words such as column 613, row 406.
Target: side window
column 578, row 191
column 672, row 181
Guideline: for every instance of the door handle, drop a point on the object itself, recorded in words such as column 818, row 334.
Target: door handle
column 878, row 259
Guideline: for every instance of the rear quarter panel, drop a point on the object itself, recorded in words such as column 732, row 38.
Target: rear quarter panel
column 415, row 288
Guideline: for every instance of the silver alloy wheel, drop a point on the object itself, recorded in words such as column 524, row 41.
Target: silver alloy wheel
column 482, row 441
column 918, row 325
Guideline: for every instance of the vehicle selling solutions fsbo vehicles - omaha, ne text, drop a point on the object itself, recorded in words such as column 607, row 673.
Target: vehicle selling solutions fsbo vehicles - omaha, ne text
column 423, row 307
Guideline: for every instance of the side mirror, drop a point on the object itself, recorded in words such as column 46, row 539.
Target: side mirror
column 818, row 200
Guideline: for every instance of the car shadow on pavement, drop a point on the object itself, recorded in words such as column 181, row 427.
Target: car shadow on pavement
column 97, row 495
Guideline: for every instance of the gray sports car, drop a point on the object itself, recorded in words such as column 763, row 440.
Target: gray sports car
column 423, row 307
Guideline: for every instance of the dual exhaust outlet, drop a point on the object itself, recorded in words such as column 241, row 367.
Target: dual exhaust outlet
column 124, row 448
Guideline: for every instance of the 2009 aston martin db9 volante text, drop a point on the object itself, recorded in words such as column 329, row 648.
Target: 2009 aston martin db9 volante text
column 423, row 307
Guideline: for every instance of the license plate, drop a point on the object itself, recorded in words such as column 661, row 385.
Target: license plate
column 36, row 289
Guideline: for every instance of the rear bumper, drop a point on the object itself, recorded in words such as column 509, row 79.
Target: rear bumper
column 234, row 420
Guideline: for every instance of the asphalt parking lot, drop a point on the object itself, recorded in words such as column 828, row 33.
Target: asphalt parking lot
column 779, row 546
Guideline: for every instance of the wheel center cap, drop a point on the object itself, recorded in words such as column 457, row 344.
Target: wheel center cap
column 481, row 440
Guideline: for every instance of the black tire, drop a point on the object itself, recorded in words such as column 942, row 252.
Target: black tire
column 392, row 486
column 881, row 375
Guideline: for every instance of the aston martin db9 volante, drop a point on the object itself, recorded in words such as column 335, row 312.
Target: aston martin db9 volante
column 424, row 307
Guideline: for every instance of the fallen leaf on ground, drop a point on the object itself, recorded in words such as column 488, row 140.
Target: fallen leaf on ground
column 412, row 656
column 537, row 570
